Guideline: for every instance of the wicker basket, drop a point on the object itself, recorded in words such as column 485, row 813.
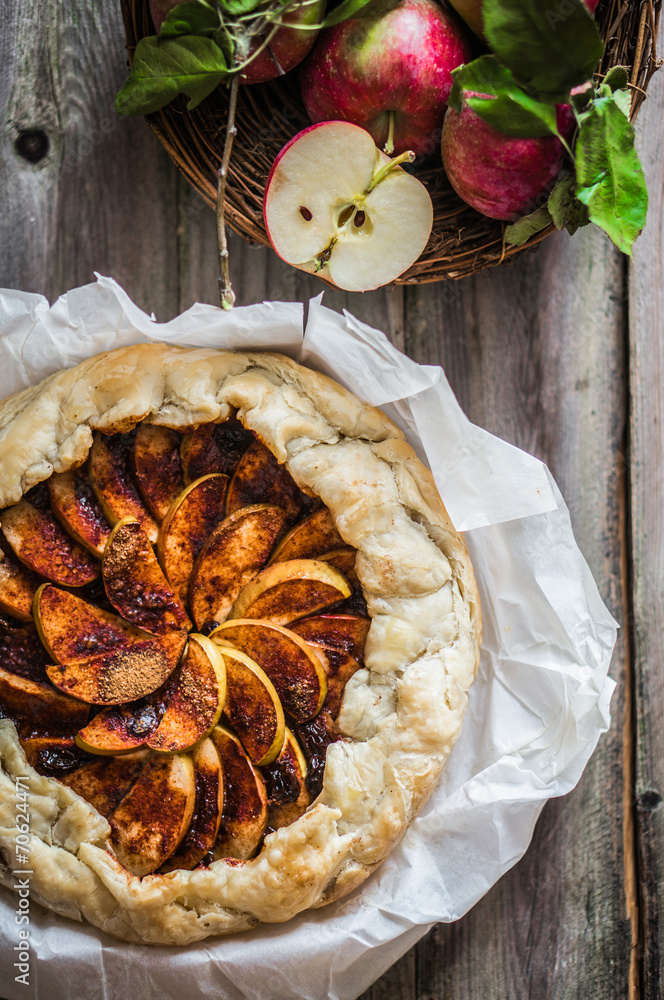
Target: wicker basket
column 462, row 241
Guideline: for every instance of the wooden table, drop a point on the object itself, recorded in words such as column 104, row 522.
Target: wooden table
column 561, row 353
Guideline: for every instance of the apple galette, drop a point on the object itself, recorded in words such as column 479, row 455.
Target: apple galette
column 238, row 631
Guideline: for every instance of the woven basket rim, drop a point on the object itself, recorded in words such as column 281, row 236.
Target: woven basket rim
column 462, row 242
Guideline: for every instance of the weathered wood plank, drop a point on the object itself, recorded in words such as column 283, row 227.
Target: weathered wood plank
column 104, row 196
column 535, row 354
column 646, row 448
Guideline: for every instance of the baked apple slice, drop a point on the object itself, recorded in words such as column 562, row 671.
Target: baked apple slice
column 105, row 782
column 285, row 784
column 202, row 831
column 54, row 756
column 150, row 821
column 347, row 632
column 157, row 467
column 259, row 478
column 26, row 694
column 315, row 736
column 286, row 591
column 214, row 448
column 313, row 534
column 112, row 482
column 244, row 817
column 231, row 557
column 42, row 544
column 99, row 658
column 197, row 699
column 253, row 707
column 121, row 729
column 342, row 559
column 294, row 669
column 18, row 585
column 74, row 504
column 35, row 705
column 135, row 583
column 187, row 525
column 339, row 667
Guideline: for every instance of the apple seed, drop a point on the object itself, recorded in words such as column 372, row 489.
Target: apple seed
column 358, row 221
column 306, row 214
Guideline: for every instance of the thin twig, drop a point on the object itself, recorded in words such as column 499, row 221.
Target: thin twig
column 226, row 293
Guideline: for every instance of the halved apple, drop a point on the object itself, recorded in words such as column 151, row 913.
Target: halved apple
column 100, row 658
column 310, row 536
column 230, row 558
column 54, row 756
column 121, row 729
column 202, row 831
column 105, row 782
column 110, row 476
column 157, row 467
column 347, row 632
column 315, row 736
column 214, row 448
column 18, row 585
column 335, row 205
column 259, row 478
column 285, row 784
column 188, row 523
column 197, row 699
column 286, row 591
column 42, row 545
column 135, row 583
column 294, row 669
column 150, row 821
column 74, row 504
column 244, row 817
column 252, row 706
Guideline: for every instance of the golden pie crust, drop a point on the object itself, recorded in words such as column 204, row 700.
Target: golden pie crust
column 402, row 714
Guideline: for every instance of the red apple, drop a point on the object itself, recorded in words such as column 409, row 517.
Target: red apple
column 396, row 65
column 286, row 49
column 336, row 206
column 288, row 46
column 471, row 12
column 498, row 175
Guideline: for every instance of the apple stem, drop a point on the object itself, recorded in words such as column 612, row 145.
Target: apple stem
column 389, row 145
column 387, row 168
column 226, row 293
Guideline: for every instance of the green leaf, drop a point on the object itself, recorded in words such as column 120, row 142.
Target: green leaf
column 549, row 47
column 566, row 210
column 609, row 176
column 164, row 68
column 224, row 40
column 235, row 7
column 195, row 18
column 617, row 78
column 491, row 91
column 520, row 231
column 345, row 10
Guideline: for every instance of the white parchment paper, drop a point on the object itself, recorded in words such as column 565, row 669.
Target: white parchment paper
column 536, row 711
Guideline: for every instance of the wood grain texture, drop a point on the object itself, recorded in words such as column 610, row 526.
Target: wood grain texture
column 104, row 197
column 535, row 353
column 646, row 297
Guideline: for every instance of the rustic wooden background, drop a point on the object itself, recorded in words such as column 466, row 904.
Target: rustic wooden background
column 561, row 353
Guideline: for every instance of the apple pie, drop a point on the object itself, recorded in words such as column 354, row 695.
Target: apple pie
column 239, row 632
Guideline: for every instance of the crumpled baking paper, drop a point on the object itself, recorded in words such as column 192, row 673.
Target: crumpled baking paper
column 536, row 710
